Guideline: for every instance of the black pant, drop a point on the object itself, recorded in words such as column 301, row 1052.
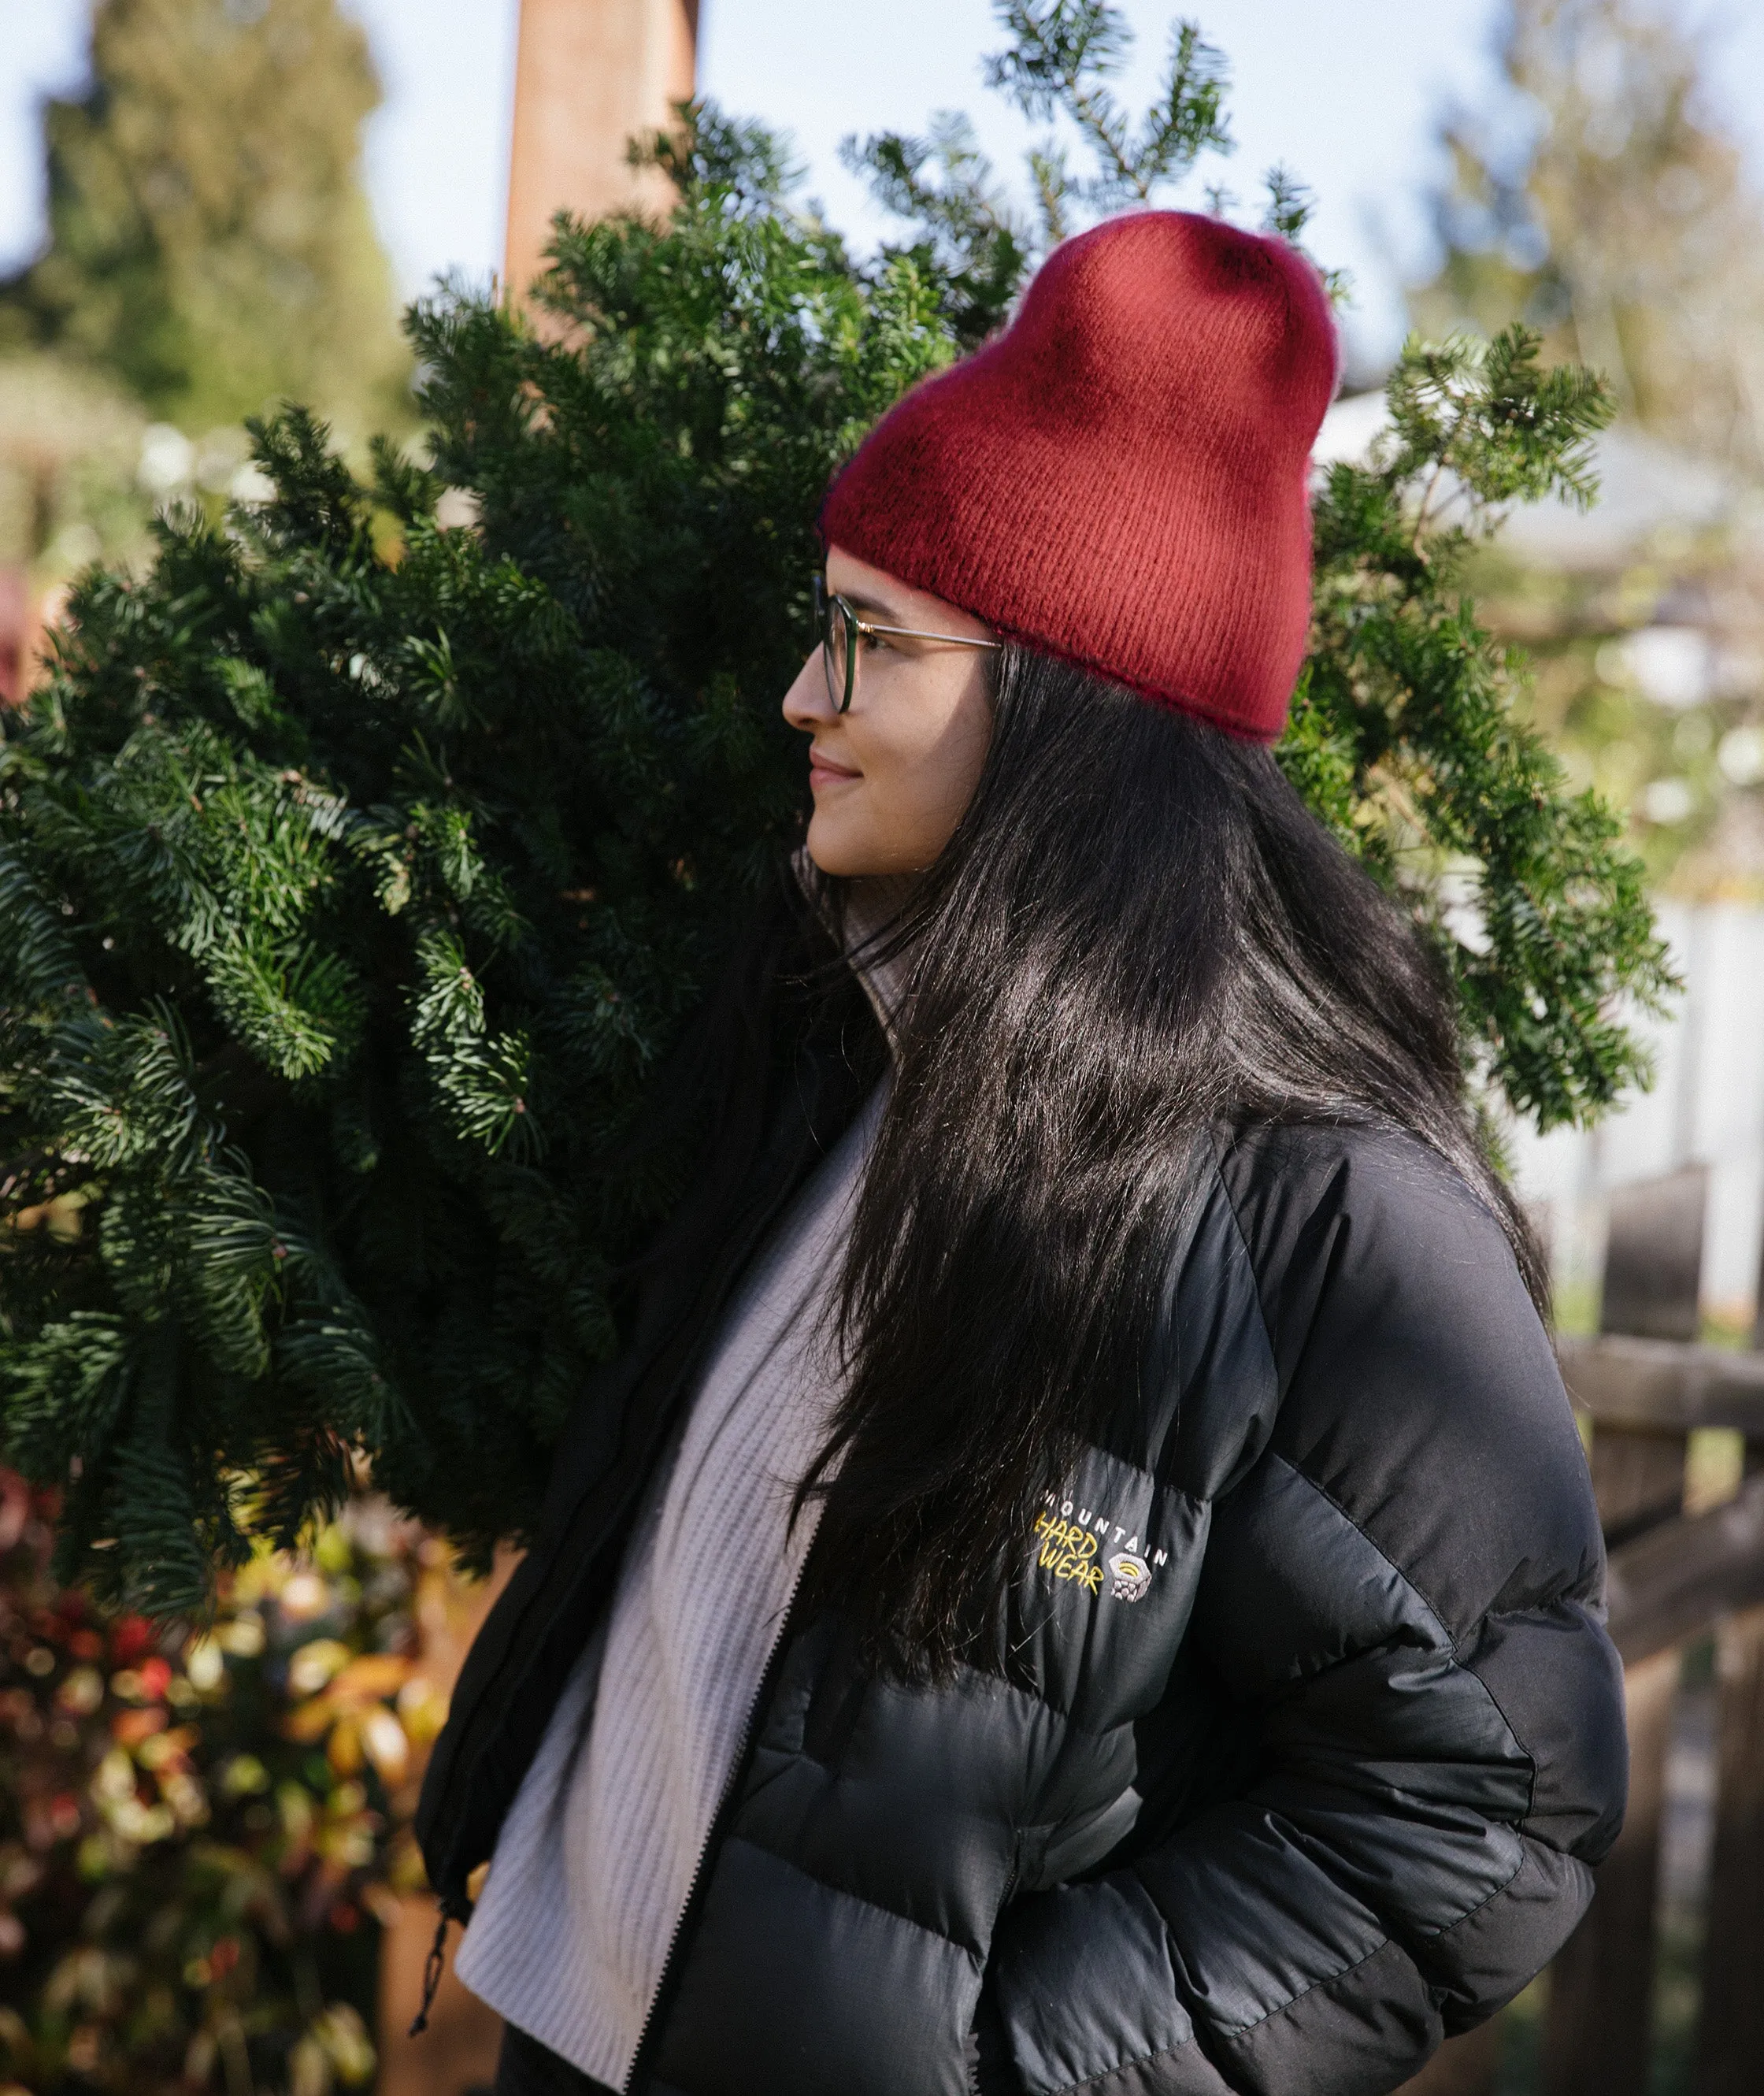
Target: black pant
column 528, row 2068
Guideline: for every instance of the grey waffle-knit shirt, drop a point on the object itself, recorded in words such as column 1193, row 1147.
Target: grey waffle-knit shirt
column 597, row 1855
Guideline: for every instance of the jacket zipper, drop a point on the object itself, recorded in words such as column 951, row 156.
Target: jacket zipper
column 650, row 2032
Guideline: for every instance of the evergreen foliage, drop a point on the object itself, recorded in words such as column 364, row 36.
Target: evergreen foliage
column 210, row 243
column 1404, row 735
column 358, row 873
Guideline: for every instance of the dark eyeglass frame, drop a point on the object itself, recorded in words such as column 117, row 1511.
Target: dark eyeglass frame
column 829, row 606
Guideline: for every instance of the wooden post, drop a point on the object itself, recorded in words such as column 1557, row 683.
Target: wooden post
column 1730, row 2036
column 457, row 2055
column 1653, row 1259
column 1600, row 2023
column 1730, row 2024
column 1467, row 2065
column 589, row 75
column 1653, row 1256
column 17, row 632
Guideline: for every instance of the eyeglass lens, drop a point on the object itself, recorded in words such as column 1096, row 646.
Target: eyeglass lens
column 836, row 658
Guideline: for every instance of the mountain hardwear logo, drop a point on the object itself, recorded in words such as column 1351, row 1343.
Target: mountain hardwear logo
column 1068, row 1540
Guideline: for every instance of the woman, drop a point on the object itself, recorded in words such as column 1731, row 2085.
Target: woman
column 1084, row 1576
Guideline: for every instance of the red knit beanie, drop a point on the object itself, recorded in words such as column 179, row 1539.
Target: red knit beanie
column 1120, row 478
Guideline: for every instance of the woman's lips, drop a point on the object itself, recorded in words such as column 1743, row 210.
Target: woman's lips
column 823, row 771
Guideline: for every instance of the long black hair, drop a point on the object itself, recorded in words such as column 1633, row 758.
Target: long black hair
column 1138, row 932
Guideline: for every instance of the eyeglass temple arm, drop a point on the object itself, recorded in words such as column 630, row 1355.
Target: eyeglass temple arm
column 914, row 633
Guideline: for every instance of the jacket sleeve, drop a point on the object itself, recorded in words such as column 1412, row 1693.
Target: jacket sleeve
column 1404, row 1589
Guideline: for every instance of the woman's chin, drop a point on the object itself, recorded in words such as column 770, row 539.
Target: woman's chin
column 853, row 851
column 841, row 856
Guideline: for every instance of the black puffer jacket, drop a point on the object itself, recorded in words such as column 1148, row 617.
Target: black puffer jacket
column 1312, row 1731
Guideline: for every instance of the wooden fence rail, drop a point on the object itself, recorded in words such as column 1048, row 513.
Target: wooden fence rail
column 1679, row 1571
column 1673, row 1575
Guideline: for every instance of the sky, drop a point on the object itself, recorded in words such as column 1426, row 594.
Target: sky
column 1350, row 95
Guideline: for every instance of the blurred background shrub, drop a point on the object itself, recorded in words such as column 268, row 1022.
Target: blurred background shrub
column 202, row 1831
column 1617, row 216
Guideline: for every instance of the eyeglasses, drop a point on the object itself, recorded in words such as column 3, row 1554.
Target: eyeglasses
column 841, row 630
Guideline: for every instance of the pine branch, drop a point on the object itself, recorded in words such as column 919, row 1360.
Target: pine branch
column 1404, row 679
column 1061, row 53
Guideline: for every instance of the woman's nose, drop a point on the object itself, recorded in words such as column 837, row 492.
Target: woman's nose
column 806, row 703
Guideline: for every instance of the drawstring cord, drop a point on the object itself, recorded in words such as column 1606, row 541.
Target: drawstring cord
column 431, row 1974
